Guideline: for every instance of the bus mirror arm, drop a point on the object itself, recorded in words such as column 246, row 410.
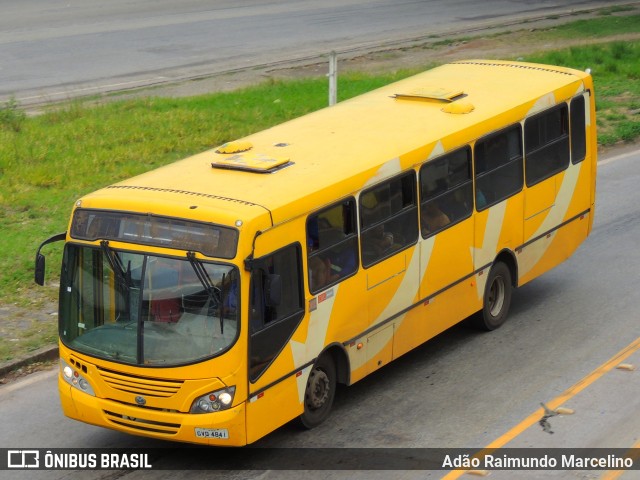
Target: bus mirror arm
column 40, row 259
column 250, row 261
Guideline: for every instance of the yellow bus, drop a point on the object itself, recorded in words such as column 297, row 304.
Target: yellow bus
column 217, row 298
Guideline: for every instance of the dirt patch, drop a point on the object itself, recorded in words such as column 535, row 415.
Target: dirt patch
column 26, row 370
column 24, row 330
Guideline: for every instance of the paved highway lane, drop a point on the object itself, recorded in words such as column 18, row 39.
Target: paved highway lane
column 55, row 49
column 462, row 389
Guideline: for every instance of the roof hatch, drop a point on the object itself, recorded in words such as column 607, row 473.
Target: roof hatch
column 451, row 97
column 252, row 162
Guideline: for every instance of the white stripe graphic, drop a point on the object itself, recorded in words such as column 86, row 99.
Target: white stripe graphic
column 486, row 254
column 315, row 341
column 532, row 254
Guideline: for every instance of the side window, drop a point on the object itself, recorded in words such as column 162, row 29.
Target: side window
column 446, row 191
column 276, row 305
column 332, row 245
column 546, row 142
column 578, row 129
column 498, row 166
column 388, row 218
column 276, row 287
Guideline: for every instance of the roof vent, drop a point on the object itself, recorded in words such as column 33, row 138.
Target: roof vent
column 237, row 146
column 431, row 93
column 253, row 162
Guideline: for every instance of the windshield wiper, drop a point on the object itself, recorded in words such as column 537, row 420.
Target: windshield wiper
column 205, row 280
column 115, row 263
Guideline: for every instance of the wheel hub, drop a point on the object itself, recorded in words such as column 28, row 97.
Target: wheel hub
column 318, row 389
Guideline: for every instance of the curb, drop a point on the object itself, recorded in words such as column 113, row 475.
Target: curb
column 41, row 355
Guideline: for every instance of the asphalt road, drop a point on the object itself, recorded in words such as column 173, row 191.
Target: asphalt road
column 463, row 389
column 57, row 49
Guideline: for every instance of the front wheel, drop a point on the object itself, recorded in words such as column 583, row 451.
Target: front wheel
column 320, row 392
column 497, row 298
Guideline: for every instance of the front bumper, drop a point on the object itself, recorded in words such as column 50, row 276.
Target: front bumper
column 155, row 423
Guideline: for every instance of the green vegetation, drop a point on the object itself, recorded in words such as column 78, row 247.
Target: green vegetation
column 48, row 161
column 11, row 117
column 54, row 158
column 616, row 73
column 617, row 9
column 606, row 25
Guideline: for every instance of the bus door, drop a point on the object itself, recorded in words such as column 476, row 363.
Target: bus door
column 276, row 310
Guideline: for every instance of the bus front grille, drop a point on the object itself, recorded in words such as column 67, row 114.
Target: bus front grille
column 150, row 387
column 142, row 425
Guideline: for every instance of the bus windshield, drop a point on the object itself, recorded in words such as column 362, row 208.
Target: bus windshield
column 143, row 309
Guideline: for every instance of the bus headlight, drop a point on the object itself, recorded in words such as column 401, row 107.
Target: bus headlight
column 73, row 378
column 214, row 401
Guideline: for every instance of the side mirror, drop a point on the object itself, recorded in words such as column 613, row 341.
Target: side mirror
column 274, row 290
column 40, row 262
column 40, row 269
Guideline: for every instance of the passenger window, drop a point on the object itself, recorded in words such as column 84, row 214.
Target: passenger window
column 388, row 218
column 546, row 142
column 578, row 129
column 332, row 245
column 498, row 167
column 446, row 191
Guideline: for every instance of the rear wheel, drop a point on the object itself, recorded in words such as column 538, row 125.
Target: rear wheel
column 497, row 298
column 319, row 393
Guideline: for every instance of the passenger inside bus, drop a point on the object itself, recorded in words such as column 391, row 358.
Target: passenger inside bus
column 461, row 204
column 166, row 310
column 320, row 273
column 380, row 240
column 229, row 292
column 332, row 254
column 432, row 218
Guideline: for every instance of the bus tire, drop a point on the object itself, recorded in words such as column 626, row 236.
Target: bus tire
column 319, row 393
column 497, row 298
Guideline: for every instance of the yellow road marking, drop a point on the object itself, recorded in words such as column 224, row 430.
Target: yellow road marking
column 553, row 404
column 613, row 474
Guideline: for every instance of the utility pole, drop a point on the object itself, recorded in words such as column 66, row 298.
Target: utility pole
column 333, row 78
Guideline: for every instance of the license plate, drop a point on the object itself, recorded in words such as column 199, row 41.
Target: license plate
column 212, row 433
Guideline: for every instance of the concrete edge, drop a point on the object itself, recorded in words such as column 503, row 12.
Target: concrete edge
column 43, row 354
